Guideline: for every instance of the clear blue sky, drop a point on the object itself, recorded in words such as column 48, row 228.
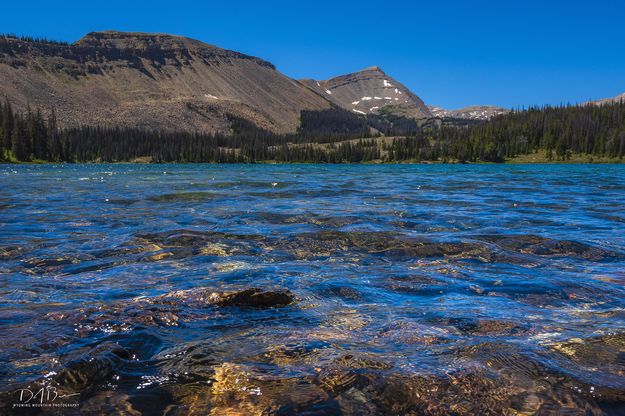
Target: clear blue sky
column 451, row 53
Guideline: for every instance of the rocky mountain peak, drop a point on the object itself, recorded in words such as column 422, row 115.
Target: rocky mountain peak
column 371, row 91
column 372, row 69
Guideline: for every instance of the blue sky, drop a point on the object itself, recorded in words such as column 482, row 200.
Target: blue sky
column 453, row 53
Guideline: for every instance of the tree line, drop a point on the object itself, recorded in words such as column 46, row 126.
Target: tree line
column 559, row 132
column 324, row 137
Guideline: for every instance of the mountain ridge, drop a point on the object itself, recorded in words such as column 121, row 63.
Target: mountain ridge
column 616, row 99
column 471, row 112
column 151, row 80
column 171, row 82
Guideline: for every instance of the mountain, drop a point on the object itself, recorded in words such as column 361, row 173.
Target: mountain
column 151, row 80
column 474, row 112
column 371, row 91
column 617, row 99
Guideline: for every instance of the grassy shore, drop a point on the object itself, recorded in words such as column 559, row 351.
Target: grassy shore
column 541, row 157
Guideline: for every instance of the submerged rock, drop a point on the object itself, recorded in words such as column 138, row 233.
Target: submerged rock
column 242, row 390
column 537, row 384
column 170, row 309
column 256, row 298
column 45, row 265
column 11, row 252
column 253, row 297
column 110, row 402
column 460, row 250
column 490, row 327
column 96, row 366
column 198, row 196
column 607, row 349
column 543, row 246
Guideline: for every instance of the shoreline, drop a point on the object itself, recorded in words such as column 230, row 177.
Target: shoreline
column 407, row 162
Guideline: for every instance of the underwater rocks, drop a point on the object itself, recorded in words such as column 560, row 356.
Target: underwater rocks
column 177, row 245
column 547, row 247
column 170, row 309
column 602, row 358
column 490, row 378
column 240, row 389
column 197, row 196
column 590, row 351
column 98, row 365
column 541, row 383
column 255, row 298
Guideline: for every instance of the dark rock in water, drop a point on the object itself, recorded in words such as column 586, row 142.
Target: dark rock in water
column 542, row 246
column 11, row 252
column 461, row 393
column 110, row 403
column 95, row 367
column 50, row 263
column 189, row 362
column 350, row 371
column 388, row 244
column 460, row 250
column 538, row 385
column 474, row 326
column 183, row 197
column 417, row 285
column 345, row 292
column 295, row 354
column 255, row 298
column 171, row 309
column 590, row 351
column 77, row 379
column 179, row 244
column 188, row 238
column 603, row 358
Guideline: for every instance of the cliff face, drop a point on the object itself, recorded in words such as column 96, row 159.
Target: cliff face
column 151, row 80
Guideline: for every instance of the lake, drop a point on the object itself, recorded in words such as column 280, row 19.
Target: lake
column 312, row 289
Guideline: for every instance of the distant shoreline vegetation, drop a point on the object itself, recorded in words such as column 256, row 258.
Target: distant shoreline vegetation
column 573, row 134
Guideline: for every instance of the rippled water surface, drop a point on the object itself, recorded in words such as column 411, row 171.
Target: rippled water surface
column 308, row 289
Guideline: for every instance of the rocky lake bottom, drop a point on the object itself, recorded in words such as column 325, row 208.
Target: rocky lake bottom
column 312, row 289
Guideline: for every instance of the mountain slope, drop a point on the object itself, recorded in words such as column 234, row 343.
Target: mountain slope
column 371, row 91
column 474, row 112
column 617, row 99
column 151, row 80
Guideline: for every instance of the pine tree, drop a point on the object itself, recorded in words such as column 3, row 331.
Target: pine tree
column 8, row 121
column 20, row 142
